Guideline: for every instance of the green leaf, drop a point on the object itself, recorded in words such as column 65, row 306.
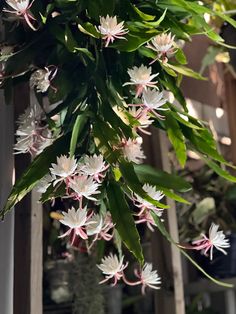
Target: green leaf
column 158, row 22
column 36, row 171
column 89, row 29
column 180, row 56
column 221, row 172
column 166, row 234
column 86, row 52
column 124, row 221
column 173, row 196
column 77, row 129
column 148, row 174
column 144, row 16
column 132, row 180
column 176, row 138
column 53, row 192
column 185, row 71
column 134, row 40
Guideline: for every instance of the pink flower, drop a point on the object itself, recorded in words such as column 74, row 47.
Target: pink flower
column 163, row 45
column 141, row 77
column 100, row 228
column 132, row 150
column 21, row 8
column 147, row 278
column 146, row 217
column 112, row 267
column 76, row 220
column 93, row 166
column 110, row 29
column 84, row 186
column 143, row 119
column 146, row 205
column 216, row 239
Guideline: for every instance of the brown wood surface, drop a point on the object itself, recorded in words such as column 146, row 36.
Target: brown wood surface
column 166, row 258
column 28, row 233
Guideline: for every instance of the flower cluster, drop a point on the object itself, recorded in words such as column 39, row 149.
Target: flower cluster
column 33, row 134
column 82, row 179
column 113, row 267
column 84, row 224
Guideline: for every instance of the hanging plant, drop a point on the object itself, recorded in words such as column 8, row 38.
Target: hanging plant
column 106, row 68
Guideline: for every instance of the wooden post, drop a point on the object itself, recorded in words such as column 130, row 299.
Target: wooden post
column 166, row 257
column 28, row 233
column 230, row 104
column 6, row 227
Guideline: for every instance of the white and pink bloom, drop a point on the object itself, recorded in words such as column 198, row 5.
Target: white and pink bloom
column 93, row 166
column 142, row 118
column 146, row 217
column 110, row 29
column 142, row 78
column 100, row 228
column 153, row 100
column 64, row 169
column 216, row 239
column 32, row 133
column 112, row 267
column 163, row 45
column 21, row 8
column 148, row 277
column 41, row 79
column 76, row 220
column 146, row 205
column 132, row 150
column 83, row 186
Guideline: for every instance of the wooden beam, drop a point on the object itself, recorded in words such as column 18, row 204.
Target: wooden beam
column 28, row 233
column 6, row 227
column 230, row 103
column 166, row 257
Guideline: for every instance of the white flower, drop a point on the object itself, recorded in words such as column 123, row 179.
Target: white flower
column 40, row 80
column 153, row 193
column 163, row 45
column 111, row 266
column 142, row 117
column 132, row 151
column 148, row 277
column 21, row 8
column 216, row 239
column 44, row 183
column 76, row 220
column 96, row 226
column 84, row 186
column 100, row 227
column 32, row 135
column 64, row 168
column 153, row 100
column 110, row 29
column 93, row 166
column 141, row 77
